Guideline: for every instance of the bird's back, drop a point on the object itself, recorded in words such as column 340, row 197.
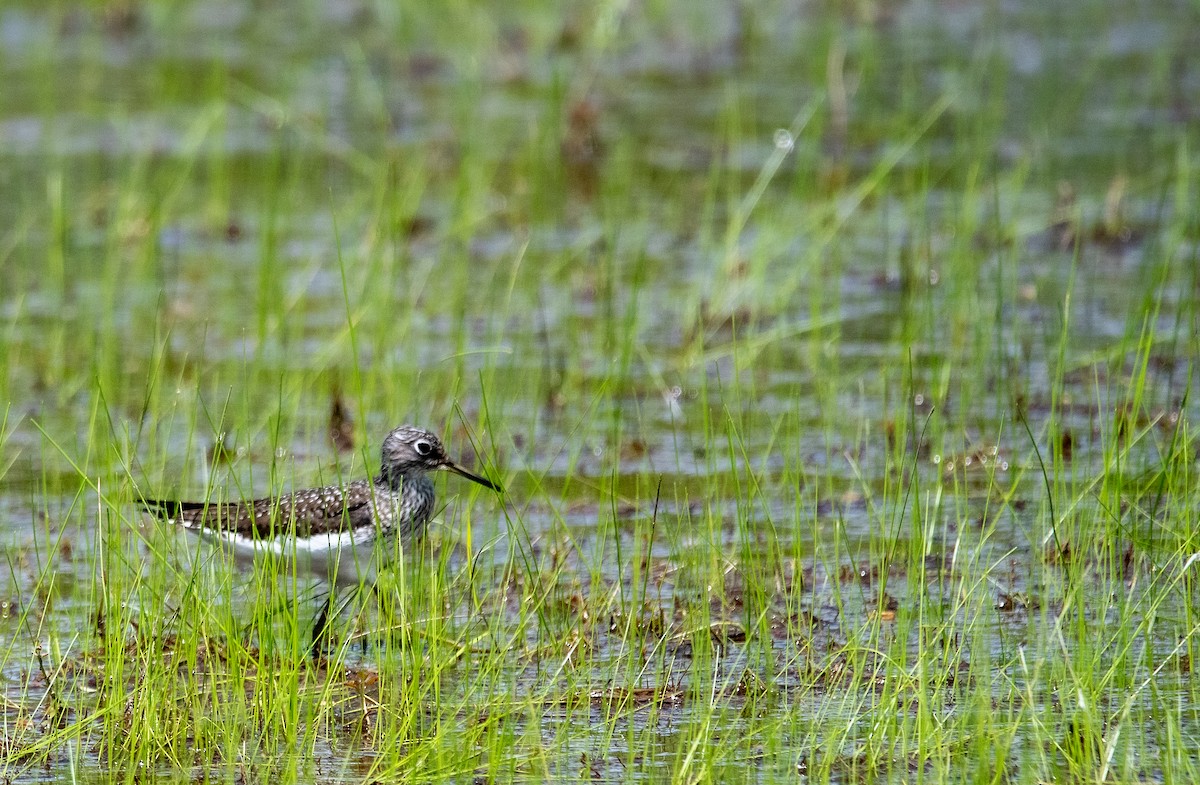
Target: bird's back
column 307, row 513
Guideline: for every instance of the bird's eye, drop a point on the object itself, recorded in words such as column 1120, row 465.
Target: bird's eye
column 423, row 447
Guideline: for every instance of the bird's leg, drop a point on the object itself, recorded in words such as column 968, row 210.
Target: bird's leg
column 320, row 633
column 361, row 610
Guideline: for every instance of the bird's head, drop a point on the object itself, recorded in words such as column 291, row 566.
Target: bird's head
column 409, row 450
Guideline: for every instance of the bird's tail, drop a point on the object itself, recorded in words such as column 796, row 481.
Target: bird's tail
column 173, row 510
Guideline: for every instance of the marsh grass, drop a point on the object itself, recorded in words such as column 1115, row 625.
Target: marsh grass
column 661, row 638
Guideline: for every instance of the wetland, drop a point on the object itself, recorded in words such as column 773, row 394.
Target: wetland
column 836, row 360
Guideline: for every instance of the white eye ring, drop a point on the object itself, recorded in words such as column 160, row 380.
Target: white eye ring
column 423, row 447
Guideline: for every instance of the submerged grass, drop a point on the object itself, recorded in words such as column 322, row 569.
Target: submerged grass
column 848, row 453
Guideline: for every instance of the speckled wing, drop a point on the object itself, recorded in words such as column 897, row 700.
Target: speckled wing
column 312, row 512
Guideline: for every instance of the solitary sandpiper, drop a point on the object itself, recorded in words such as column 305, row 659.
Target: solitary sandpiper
column 340, row 532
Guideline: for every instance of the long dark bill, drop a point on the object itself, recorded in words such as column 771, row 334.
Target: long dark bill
column 451, row 466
